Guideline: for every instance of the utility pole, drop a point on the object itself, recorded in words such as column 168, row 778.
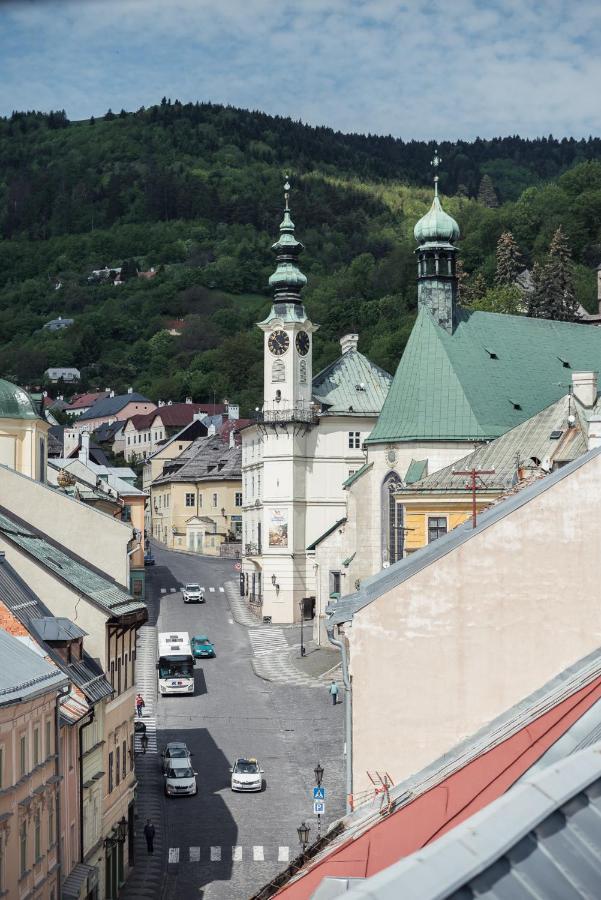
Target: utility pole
column 474, row 474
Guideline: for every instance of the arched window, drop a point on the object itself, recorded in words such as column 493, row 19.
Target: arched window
column 278, row 371
column 392, row 520
column 302, row 371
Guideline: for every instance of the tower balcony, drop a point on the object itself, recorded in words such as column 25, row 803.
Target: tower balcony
column 282, row 412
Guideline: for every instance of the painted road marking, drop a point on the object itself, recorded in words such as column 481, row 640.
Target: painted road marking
column 194, row 854
column 258, row 854
column 283, row 854
column 212, row 590
column 215, row 854
column 231, row 621
column 222, row 590
column 237, row 853
column 173, row 590
column 173, row 854
column 163, row 590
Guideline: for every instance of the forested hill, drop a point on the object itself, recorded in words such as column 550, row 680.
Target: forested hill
column 195, row 191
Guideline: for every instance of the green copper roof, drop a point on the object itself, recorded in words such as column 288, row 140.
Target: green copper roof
column 326, row 533
column 356, row 475
column 491, row 373
column 436, row 226
column 15, row 403
column 417, row 469
column 287, row 280
column 351, row 384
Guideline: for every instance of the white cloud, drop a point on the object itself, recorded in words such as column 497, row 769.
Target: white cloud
column 484, row 67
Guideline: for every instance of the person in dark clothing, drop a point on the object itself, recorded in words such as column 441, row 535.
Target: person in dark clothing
column 149, row 835
column 144, row 742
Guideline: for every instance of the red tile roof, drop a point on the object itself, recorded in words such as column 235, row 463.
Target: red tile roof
column 82, row 401
column 177, row 415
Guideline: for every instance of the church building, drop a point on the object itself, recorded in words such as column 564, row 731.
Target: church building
column 307, row 441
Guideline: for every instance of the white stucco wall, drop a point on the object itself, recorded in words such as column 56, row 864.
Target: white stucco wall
column 473, row 633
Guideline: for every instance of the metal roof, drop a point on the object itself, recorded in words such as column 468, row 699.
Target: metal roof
column 466, row 385
column 24, row 673
column 206, row 459
column 387, row 579
column 352, row 384
column 416, row 470
column 102, row 591
column 110, row 406
column 56, row 628
column 356, row 475
column 542, row 839
column 27, row 607
column 326, row 533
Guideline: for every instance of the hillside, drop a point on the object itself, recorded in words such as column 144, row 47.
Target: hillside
column 196, row 192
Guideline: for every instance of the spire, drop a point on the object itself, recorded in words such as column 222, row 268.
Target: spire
column 436, row 226
column 435, row 163
column 287, row 280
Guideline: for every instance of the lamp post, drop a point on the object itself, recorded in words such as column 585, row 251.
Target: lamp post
column 318, row 771
column 301, row 607
column 303, row 836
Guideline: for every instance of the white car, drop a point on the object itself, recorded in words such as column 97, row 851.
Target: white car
column 180, row 779
column 193, row 593
column 247, row 775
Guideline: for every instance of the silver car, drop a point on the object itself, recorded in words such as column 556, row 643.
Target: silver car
column 175, row 751
column 193, row 593
column 180, row 779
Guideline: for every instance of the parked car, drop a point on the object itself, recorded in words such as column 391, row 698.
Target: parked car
column 148, row 559
column 202, row 647
column 180, row 779
column 174, row 751
column 193, row 593
column 247, row 775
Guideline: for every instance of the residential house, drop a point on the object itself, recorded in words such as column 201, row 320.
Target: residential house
column 196, row 504
column 110, row 437
column 81, row 403
column 64, row 373
column 171, row 448
column 23, row 432
column 30, row 771
column 110, row 616
column 58, row 324
column 145, row 433
column 113, row 408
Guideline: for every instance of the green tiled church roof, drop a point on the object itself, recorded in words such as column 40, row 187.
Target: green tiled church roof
column 352, row 384
column 492, row 373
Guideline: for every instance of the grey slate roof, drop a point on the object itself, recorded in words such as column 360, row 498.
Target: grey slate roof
column 206, row 459
column 99, row 588
column 352, row 384
column 542, row 839
column 529, row 442
column 25, row 674
column 18, row 597
column 110, row 406
column 382, row 582
column 56, row 628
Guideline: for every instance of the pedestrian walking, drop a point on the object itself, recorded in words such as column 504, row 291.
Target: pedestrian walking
column 144, row 742
column 149, row 835
column 140, row 705
column 334, row 693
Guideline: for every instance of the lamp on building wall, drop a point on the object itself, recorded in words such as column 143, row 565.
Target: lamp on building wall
column 118, row 836
column 274, row 582
column 223, row 512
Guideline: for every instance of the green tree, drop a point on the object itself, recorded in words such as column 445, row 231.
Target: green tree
column 509, row 262
column 487, row 195
column 554, row 295
column 474, row 289
column 502, row 298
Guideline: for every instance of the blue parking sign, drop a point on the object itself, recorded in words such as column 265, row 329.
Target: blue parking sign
column 319, row 793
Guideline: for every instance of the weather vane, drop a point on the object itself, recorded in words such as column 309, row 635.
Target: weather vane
column 287, row 192
column 435, row 164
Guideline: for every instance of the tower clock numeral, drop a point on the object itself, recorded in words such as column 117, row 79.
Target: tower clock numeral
column 278, row 342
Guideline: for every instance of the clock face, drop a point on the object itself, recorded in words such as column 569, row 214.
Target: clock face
column 302, row 343
column 278, row 342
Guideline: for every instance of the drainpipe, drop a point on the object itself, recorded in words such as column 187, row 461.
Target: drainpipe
column 59, row 775
column 348, row 717
column 81, row 728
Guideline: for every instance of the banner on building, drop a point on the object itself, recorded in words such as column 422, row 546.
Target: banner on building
column 278, row 528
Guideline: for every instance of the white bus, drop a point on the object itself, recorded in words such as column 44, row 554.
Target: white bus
column 175, row 665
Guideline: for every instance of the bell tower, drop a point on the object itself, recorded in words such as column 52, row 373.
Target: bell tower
column 288, row 333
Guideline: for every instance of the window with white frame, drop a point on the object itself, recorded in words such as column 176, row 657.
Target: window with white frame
column 190, row 500
column 354, row 440
column 214, row 499
column 238, row 500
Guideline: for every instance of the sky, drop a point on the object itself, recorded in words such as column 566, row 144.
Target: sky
column 419, row 69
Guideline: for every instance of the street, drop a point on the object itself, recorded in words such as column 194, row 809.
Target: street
column 221, row 844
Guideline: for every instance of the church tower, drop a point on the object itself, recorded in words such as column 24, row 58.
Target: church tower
column 436, row 233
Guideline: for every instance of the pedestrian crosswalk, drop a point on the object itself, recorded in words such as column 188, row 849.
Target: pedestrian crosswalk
column 266, row 640
column 236, row 853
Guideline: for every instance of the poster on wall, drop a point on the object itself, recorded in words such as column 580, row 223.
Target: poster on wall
column 278, row 528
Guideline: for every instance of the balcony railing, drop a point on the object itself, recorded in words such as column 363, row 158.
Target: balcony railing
column 252, row 549
column 282, row 413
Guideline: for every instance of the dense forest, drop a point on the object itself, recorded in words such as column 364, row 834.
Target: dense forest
column 195, row 193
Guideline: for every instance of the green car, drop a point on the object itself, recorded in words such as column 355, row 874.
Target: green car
column 201, row 646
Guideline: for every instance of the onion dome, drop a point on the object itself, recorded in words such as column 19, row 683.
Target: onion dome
column 15, row 403
column 287, row 280
column 436, row 226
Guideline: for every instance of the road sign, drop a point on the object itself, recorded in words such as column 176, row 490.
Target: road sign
column 319, row 793
column 237, row 566
column 319, row 808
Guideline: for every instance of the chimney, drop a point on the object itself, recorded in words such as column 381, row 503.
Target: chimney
column 112, row 394
column 107, row 390
column 232, row 439
column 160, row 403
column 84, row 450
column 584, row 386
column 169, row 402
column 349, row 342
column 233, row 411
column 211, row 430
column 130, row 390
column 70, row 440
column 189, row 400
column 594, row 433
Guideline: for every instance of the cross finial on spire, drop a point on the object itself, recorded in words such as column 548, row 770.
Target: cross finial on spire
column 287, row 192
column 435, row 164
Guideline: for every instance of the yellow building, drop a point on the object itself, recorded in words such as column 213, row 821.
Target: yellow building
column 429, row 506
column 23, row 433
column 196, row 503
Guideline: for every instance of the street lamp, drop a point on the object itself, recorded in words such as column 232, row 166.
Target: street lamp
column 301, row 607
column 303, row 836
column 318, row 770
column 118, row 836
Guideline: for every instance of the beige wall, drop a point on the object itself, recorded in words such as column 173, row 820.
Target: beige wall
column 23, row 720
column 173, row 513
column 98, row 538
column 20, row 446
column 473, row 633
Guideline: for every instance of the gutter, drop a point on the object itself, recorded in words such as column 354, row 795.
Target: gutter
column 348, row 718
column 81, row 728
column 57, row 752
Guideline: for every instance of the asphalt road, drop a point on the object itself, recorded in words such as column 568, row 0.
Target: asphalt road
column 224, row 845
